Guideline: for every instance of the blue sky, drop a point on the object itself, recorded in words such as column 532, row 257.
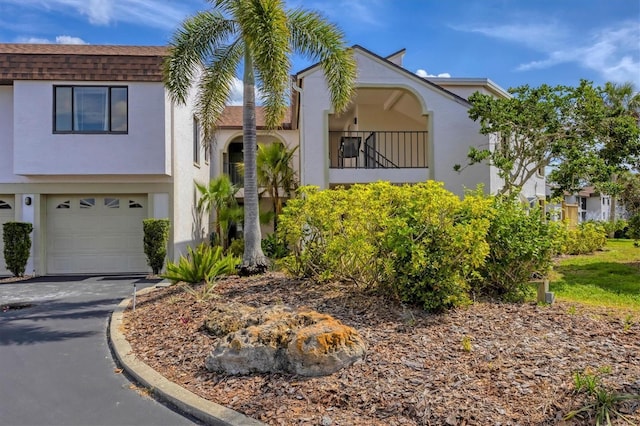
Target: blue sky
column 512, row 42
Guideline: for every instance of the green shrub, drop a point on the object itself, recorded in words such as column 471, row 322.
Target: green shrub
column 520, row 244
column 417, row 242
column 236, row 248
column 205, row 263
column 156, row 236
column 17, row 246
column 585, row 238
column 437, row 243
column 274, row 247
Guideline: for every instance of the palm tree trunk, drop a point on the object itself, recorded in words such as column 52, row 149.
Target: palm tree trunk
column 253, row 259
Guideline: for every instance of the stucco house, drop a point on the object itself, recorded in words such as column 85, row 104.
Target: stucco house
column 400, row 128
column 90, row 145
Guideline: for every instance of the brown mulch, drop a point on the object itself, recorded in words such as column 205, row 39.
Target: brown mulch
column 519, row 370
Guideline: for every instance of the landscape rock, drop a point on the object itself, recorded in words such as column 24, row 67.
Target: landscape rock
column 278, row 339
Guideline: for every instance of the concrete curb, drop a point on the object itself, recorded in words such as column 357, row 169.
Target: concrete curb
column 185, row 401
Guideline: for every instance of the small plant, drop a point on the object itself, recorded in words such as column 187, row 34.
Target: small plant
column 572, row 310
column 17, row 246
column 236, row 248
column 602, row 402
column 466, row 344
column 206, row 291
column 628, row 322
column 274, row 248
column 156, row 235
column 205, row 263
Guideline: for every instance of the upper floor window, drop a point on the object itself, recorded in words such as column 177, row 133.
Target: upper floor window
column 90, row 109
column 196, row 141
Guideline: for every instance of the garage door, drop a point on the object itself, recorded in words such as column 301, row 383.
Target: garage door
column 95, row 234
column 7, row 213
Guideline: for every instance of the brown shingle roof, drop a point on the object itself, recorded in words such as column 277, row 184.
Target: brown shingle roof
column 232, row 118
column 80, row 62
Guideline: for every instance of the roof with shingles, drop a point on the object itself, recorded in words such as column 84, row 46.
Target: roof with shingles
column 80, row 62
column 231, row 118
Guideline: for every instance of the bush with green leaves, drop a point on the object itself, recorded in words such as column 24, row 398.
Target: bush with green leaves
column 520, row 244
column 419, row 242
column 156, row 236
column 634, row 228
column 17, row 246
column 205, row 263
column 236, row 248
column 587, row 237
column 274, row 247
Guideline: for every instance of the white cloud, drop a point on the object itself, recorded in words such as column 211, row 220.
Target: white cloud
column 423, row 73
column 61, row 39
column 612, row 52
column 237, row 92
column 65, row 39
column 33, row 40
column 152, row 13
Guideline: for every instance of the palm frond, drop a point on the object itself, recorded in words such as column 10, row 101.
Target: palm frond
column 190, row 48
column 216, row 82
column 314, row 37
column 266, row 31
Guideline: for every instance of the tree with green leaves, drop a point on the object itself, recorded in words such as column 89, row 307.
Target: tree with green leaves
column 619, row 147
column 534, row 128
column 260, row 35
column 275, row 174
column 219, row 197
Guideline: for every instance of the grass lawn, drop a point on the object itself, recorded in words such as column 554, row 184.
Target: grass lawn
column 609, row 278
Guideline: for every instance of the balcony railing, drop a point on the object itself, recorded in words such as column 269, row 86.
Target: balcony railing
column 378, row 149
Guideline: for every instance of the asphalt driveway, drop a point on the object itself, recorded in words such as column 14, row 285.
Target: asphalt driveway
column 55, row 363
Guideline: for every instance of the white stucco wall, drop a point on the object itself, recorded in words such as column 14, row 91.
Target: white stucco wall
column 38, row 151
column 452, row 132
column 6, row 133
column 187, row 230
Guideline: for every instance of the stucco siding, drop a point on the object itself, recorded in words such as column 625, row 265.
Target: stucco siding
column 39, row 151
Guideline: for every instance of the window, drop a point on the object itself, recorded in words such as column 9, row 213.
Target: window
column 87, row 203
column 4, row 205
column 196, row 141
column 90, row 109
column 112, row 203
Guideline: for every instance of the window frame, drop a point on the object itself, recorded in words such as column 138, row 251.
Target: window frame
column 110, row 87
column 197, row 137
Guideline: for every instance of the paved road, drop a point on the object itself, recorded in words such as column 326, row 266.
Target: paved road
column 55, row 363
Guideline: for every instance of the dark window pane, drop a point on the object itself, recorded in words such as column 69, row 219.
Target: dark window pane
column 63, row 109
column 118, row 109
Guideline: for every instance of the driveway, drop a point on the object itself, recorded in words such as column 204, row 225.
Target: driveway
column 55, row 363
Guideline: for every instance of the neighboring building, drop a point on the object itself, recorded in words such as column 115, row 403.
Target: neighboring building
column 90, row 145
column 400, row 128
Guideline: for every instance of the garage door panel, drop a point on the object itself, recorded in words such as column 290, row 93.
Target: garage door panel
column 95, row 234
column 7, row 214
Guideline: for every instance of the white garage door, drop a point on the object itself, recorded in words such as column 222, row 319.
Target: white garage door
column 95, row 234
column 7, row 213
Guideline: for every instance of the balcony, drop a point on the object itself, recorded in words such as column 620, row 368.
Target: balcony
column 369, row 156
column 378, row 149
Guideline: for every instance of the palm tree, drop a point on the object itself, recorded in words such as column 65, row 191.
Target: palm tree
column 259, row 34
column 220, row 197
column 622, row 136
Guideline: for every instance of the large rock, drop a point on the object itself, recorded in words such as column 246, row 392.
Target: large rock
column 278, row 339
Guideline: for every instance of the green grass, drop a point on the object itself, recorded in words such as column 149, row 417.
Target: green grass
column 609, row 278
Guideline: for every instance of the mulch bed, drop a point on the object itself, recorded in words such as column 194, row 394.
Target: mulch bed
column 519, row 369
